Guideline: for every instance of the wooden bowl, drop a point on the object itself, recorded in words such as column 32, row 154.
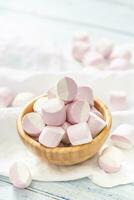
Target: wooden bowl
column 65, row 155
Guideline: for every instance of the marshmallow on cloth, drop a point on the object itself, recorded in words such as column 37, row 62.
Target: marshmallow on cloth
column 118, row 100
column 22, row 98
column 92, row 58
column 51, row 136
column 6, row 97
column 37, row 107
column 20, row 175
column 33, row 124
column 65, row 138
column 96, row 124
column 67, row 89
column 85, row 94
column 104, row 46
column 119, row 64
column 79, row 50
column 79, row 134
column 121, row 52
column 53, row 112
column 81, row 36
column 123, row 136
column 110, row 159
column 78, row 112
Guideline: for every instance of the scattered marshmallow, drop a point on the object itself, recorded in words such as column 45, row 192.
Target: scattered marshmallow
column 6, row 96
column 65, row 138
column 51, row 136
column 104, row 46
column 119, row 64
column 79, row 49
column 96, row 124
column 53, row 112
column 78, row 112
column 81, row 37
column 118, row 100
column 20, row 175
column 85, row 94
column 92, row 58
column 121, row 52
column 33, row 124
column 79, row 134
column 111, row 159
column 66, row 89
column 123, row 136
column 37, row 107
column 22, row 98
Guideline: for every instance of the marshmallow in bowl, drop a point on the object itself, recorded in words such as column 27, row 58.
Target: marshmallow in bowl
column 78, row 112
column 92, row 58
column 53, row 112
column 121, row 52
column 81, row 36
column 51, row 136
column 79, row 50
column 19, row 175
column 85, row 94
column 110, row 159
column 79, row 134
column 65, row 138
column 33, row 124
column 104, row 46
column 6, row 96
column 37, row 107
column 22, row 98
column 67, row 89
column 95, row 111
column 123, row 136
column 96, row 124
column 118, row 100
column 119, row 64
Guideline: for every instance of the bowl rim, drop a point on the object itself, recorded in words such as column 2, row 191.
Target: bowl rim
column 31, row 141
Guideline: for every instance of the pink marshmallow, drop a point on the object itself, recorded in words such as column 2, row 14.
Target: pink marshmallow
column 52, row 92
column 123, row 136
column 20, row 175
column 110, row 160
column 22, row 98
column 65, row 138
column 104, row 46
column 85, row 94
column 66, row 89
column 78, row 111
column 33, row 124
column 92, row 58
column 118, row 100
column 39, row 103
column 6, row 96
column 119, row 64
column 96, row 124
column 95, row 111
column 51, row 136
column 79, row 50
column 81, row 37
column 79, row 134
column 53, row 112
column 121, row 52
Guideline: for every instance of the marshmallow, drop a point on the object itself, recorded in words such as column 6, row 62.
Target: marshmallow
column 79, row 49
column 78, row 111
column 104, row 46
column 96, row 124
column 52, row 92
column 33, row 124
column 6, row 97
column 81, row 36
column 118, row 100
column 85, row 94
column 119, row 64
column 53, row 112
column 37, row 107
column 92, row 58
column 51, row 136
column 22, row 98
column 121, row 52
column 65, row 138
column 123, row 136
column 20, row 175
column 95, row 111
column 66, row 89
column 110, row 160
column 79, row 134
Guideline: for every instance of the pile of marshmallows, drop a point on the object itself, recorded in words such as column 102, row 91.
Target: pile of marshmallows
column 103, row 55
column 66, row 116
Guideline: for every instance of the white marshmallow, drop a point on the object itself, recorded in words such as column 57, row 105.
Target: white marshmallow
column 20, row 175
column 119, row 64
column 96, row 124
column 93, row 58
column 51, row 136
column 79, row 134
column 6, row 96
column 110, row 160
column 22, row 98
column 39, row 103
column 123, row 136
column 121, row 52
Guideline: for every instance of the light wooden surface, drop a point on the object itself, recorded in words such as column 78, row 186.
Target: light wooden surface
column 59, row 19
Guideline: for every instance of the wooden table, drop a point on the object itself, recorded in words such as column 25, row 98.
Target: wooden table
column 58, row 20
